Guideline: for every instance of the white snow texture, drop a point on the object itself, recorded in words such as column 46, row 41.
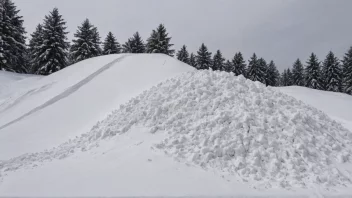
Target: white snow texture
column 218, row 121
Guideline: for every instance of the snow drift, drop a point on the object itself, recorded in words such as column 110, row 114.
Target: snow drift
column 217, row 121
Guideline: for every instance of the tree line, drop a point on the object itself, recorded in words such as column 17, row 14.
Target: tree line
column 49, row 51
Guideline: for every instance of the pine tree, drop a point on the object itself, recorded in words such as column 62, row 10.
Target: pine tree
column 256, row 71
column 183, row 55
column 159, row 42
column 289, row 77
column 128, row 46
column 3, row 60
column 264, row 67
column 111, row 46
column 37, row 40
column 192, row 60
column 331, row 74
column 284, row 79
column 218, row 61
column 239, row 64
column 347, row 72
column 86, row 43
column 203, row 58
column 13, row 49
column 52, row 55
column 298, row 73
column 312, row 73
column 228, row 66
column 272, row 75
column 134, row 45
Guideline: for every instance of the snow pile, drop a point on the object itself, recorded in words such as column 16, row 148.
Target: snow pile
column 216, row 120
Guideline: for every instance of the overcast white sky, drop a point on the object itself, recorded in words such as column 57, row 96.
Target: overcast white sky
column 282, row 30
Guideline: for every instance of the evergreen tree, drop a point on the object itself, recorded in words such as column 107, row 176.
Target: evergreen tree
column 13, row 49
column 111, row 46
column 2, row 53
column 192, row 60
column 183, row 55
column 37, row 40
column 256, row 71
column 86, row 43
column 289, row 77
column 228, row 66
column 159, row 42
column 128, row 46
column 134, row 45
column 218, row 61
column 264, row 67
column 347, row 72
column 284, row 79
column 239, row 64
column 332, row 79
column 253, row 69
column 312, row 73
column 272, row 75
column 52, row 55
column 298, row 73
column 203, row 58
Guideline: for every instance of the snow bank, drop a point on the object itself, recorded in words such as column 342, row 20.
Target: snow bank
column 230, row 124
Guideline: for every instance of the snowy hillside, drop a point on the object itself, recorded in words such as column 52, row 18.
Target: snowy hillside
column 9, row 80
column 336, row 105
column 149, row 125
column 50, row 110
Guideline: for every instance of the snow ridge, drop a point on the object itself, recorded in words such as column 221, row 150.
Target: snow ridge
column 216, row 120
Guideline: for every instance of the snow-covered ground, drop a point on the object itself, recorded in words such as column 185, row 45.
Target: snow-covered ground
column 10, row 82
column 336, row 105
column 199, row 133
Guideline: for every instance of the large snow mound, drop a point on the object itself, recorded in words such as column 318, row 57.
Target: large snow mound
column 218, row 121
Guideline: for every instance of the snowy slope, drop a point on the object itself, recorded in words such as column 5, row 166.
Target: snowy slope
column 336, row 105
column 10, row 82
column 55, row 108
column 8, row 78
column 186, row 136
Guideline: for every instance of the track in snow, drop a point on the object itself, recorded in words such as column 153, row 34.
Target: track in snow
column 67, row 92
column 10, row 102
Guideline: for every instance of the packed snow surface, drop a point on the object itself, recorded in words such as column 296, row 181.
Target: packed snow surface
column 221, row 122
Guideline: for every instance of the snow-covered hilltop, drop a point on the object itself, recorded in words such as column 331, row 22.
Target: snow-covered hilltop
column 130, row 125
